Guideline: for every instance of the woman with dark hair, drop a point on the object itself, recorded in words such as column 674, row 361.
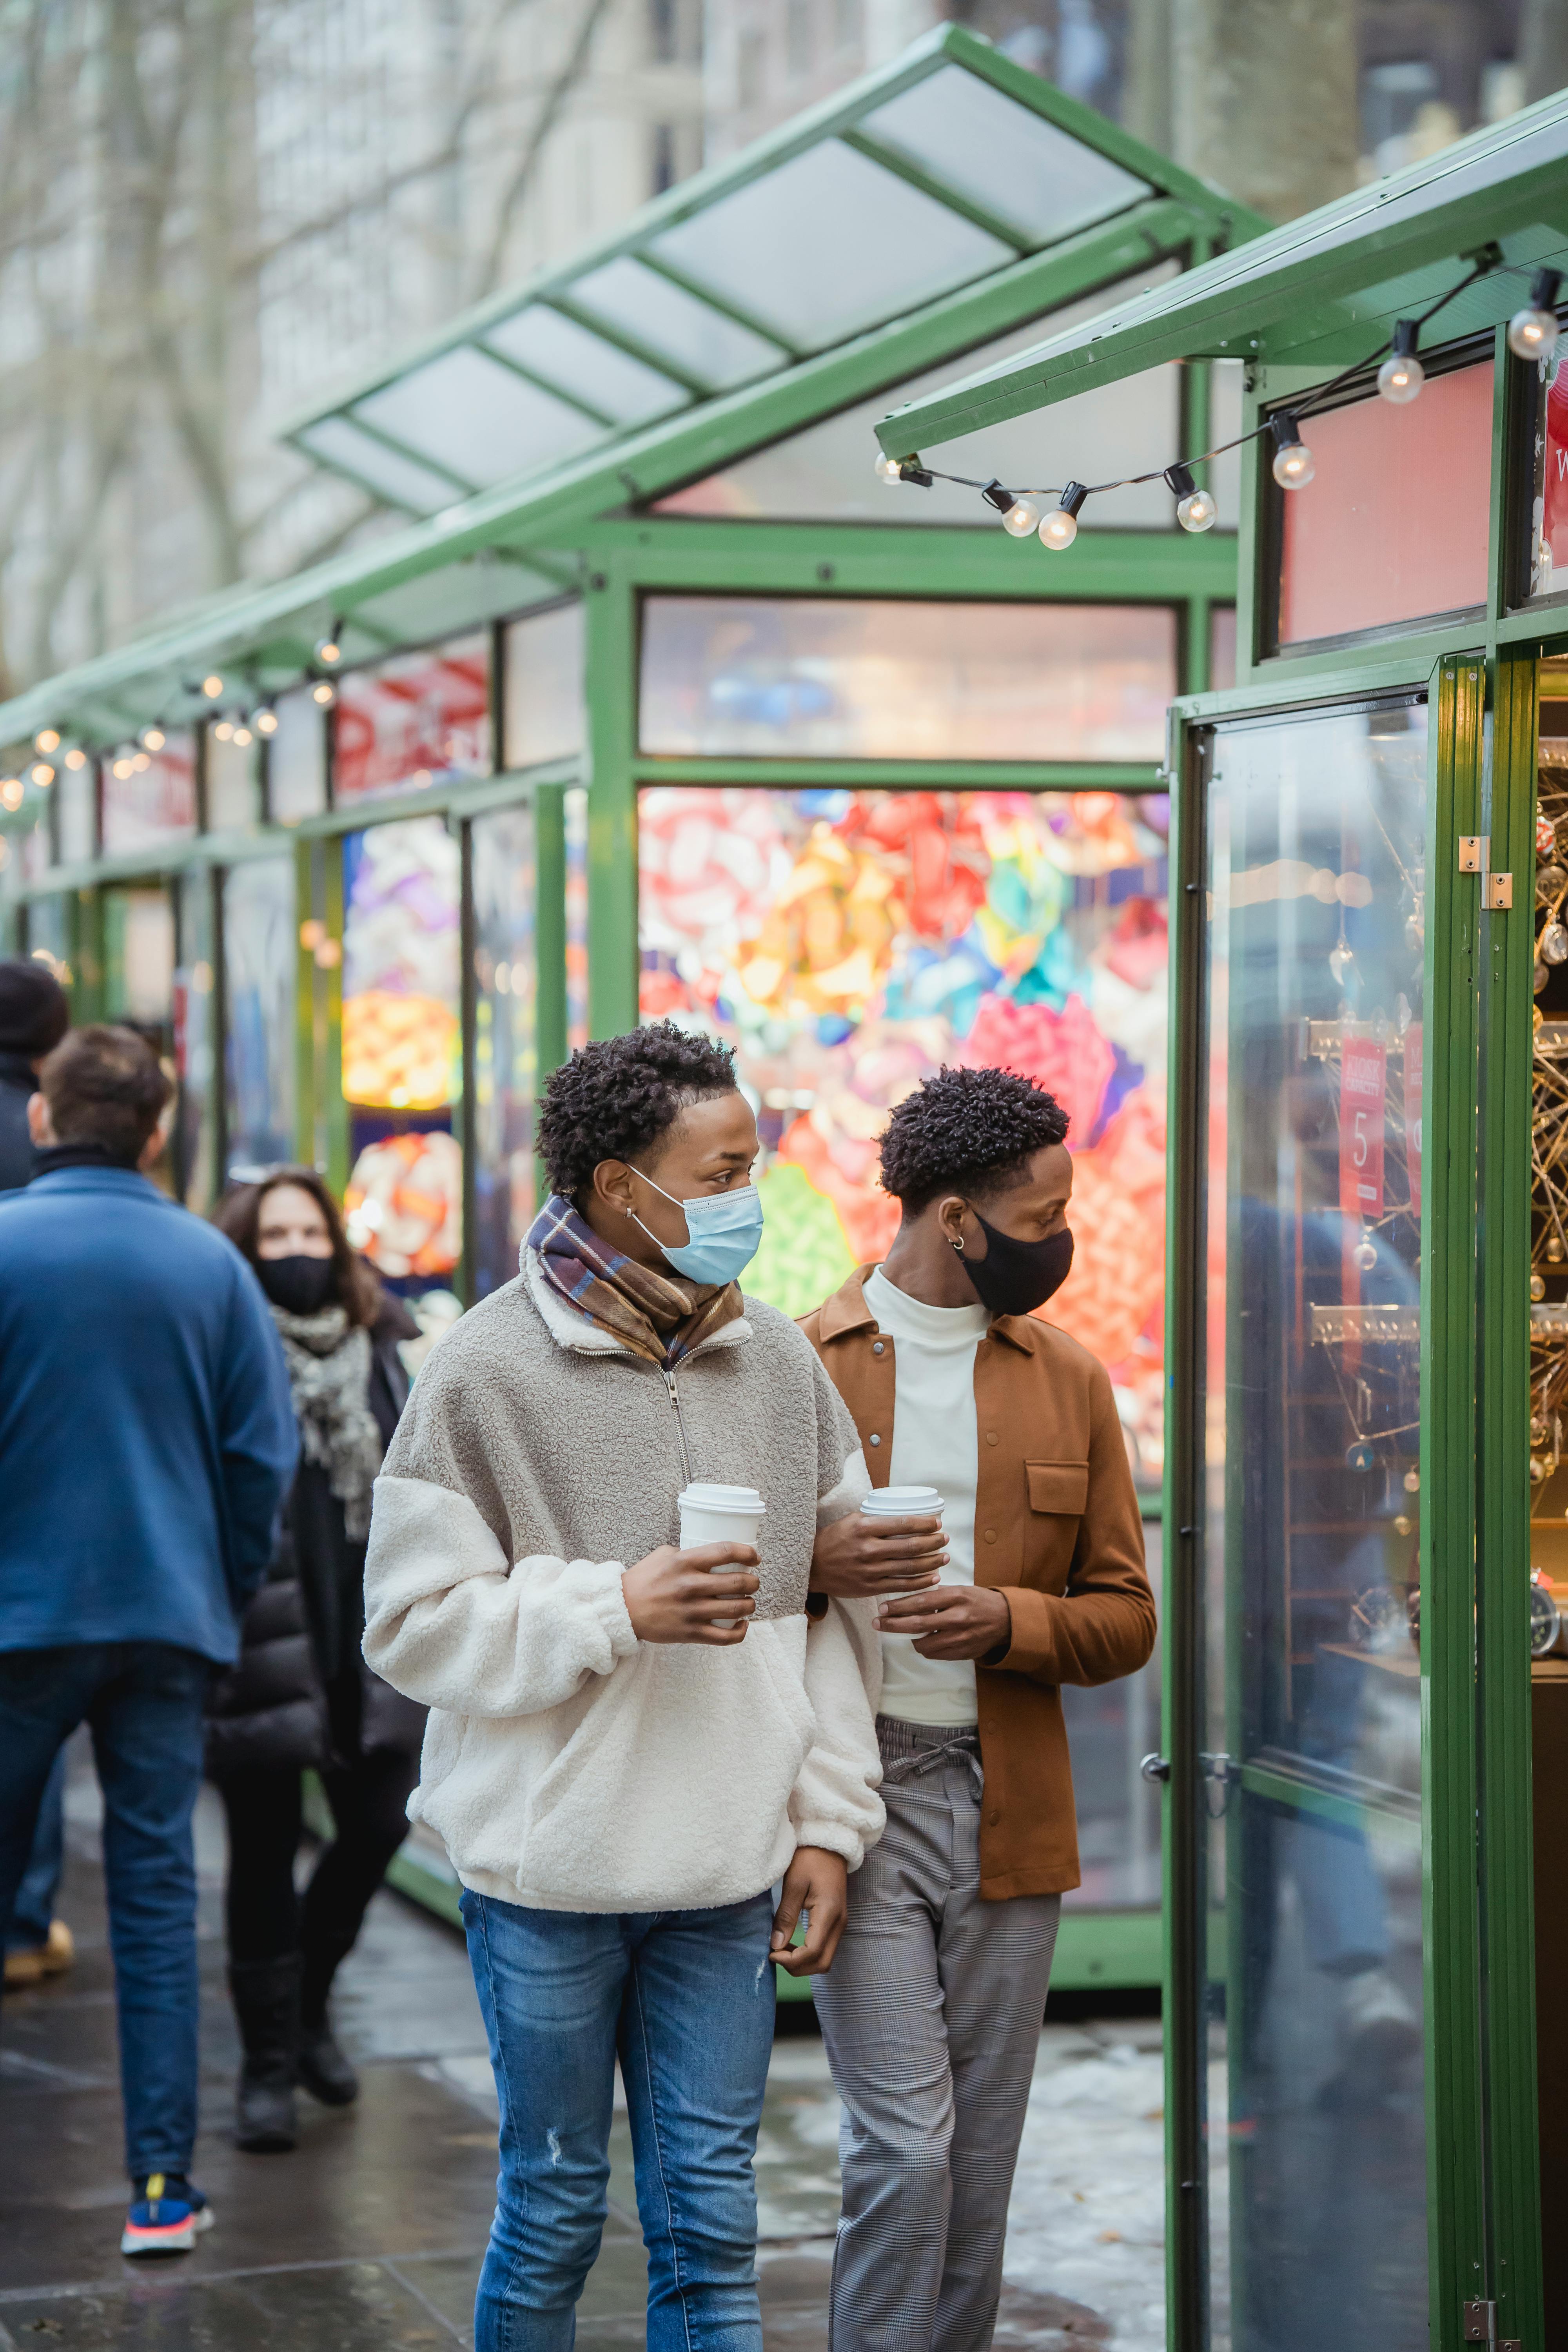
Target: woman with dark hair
column 301, row 1694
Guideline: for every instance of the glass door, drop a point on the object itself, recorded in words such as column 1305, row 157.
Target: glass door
column 1314, row 898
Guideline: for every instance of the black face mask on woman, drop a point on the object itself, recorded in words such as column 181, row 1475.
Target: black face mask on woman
column 300, row 1286
column 1014, row 1278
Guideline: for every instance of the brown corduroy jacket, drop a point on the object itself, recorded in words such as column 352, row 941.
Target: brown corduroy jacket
column 1057, row 1530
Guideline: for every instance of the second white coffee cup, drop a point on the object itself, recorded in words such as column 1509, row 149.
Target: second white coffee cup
column 714, row 1514
column 903, row 1502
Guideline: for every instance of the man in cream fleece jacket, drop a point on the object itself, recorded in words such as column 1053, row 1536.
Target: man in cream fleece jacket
column 620, row 1780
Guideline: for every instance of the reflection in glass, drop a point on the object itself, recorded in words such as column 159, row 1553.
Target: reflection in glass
column 542, row 687
column 478, row 419
column 775, row 246
column 339, row 443
column 595, row 370
column 503, row 867
column 402, row 1057
column 258, row 950
column 575, row 821
column 1313, row 1377
column 424, row 719
column 652, row 309
column 852, row 678
column 848, row 944
column 826, row 472
column 149, row 796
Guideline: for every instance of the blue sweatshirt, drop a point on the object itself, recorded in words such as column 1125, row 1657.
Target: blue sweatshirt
column 146, row 1434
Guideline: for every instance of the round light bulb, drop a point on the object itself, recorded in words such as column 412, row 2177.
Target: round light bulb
column 1059, row 529
column 212, row 686
column 267, row 722
column 1400, row 378
column 11, row 792
column 1197, row 512
column 886, row 468
column 76, row 759
column 43, row 774
column 140, row 764
column 46, row 739
column 123, row 768
column 1532, row 334
column 1294, row 465
column 243, row 737
column 327, row 651
column 322, row 693
column 223, row 731
column 1022, row 517
column 152, row 739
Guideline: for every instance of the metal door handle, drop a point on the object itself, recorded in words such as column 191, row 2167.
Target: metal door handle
column 1155, row 1768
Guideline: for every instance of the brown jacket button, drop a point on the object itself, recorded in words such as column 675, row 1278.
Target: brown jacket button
column 876, row 1347
column 993, row 1816
column 990, row 1532
column 991, row 1437
column 875, row 1439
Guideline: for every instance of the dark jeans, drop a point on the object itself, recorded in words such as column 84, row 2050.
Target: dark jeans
column 686, row 2000
column 33, row 1908
column 143, row 1702
column 266, row 1919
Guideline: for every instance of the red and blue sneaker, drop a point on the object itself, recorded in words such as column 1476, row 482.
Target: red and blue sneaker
column 167, row 2216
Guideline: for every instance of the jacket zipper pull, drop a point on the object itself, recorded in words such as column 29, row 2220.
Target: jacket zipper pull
column 680, row 1424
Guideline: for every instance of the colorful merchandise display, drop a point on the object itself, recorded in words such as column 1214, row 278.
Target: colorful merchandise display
column 421, row 720
column 849, row 943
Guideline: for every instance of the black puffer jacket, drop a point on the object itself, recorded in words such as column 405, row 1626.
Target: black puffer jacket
column 284, row 1705
column 17, row 1084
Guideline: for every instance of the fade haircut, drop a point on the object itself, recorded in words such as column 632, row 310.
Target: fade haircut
column 103, row 1085
column 618, row 1095
column 972, row 1131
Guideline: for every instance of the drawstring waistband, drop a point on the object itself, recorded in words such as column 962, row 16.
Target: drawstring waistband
column 909, row 1750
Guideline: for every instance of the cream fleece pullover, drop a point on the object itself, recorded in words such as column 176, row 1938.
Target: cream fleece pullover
column 567, row 1765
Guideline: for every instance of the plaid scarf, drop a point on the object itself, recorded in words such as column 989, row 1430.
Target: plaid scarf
column 659, row 1315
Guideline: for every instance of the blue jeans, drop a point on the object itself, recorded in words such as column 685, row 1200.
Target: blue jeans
column 144, row 1702
column 33, row 1908
column 686, row 2000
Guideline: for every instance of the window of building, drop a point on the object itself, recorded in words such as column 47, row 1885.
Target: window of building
column 873, row 679
column 752, row 66
column 663, row 173
column 149, row 797
column 232, row 777
column 505, row 1066
column 1395, row 525
column 797, row 37
column 259, row 962
column 542, row 687
column 297, row 759
column 663, row 22
column 76, row 813
column 424, row 719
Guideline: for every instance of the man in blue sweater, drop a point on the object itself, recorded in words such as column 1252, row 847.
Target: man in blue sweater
column 146, row 1442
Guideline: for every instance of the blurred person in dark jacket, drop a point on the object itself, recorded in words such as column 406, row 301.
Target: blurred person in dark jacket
column 33, row 1017
column 301, row 1694
column 146, row 1444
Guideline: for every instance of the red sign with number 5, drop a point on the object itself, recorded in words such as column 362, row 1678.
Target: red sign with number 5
column 1363, row 1088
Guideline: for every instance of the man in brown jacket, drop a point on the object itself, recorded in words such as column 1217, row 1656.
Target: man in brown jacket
column 1033, row 1576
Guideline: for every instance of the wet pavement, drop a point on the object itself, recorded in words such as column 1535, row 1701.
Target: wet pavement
column 373, row 2231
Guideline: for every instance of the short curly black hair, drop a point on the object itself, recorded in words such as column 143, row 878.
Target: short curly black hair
column 971, row 1131
column 617, row 1096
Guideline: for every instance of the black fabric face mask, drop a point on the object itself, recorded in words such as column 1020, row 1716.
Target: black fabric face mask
column 1014, row 1278
column 300, row 1286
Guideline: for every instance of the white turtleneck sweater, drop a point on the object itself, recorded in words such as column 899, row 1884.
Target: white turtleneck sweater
column 936, row 1443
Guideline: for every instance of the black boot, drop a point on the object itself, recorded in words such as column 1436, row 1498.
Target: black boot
column 324, row 2070
column 266, row 2003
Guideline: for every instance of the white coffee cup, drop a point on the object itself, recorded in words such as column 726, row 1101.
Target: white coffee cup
column 903, row 1502
column 713, row 1514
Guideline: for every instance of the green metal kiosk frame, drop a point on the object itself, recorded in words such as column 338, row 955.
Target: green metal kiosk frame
column 1343, row 668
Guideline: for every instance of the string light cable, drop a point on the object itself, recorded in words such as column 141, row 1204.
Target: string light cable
column 1532, row 334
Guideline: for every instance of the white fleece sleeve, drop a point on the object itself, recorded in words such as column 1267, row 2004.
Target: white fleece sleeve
column 834, row 1803
column 842, row 1501
column 450, row 1621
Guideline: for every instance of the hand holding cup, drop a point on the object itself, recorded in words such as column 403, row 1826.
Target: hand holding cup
column 671, row 1594
column 894, row 1544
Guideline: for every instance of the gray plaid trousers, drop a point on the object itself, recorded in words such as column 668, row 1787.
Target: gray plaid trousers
column 931, row 2016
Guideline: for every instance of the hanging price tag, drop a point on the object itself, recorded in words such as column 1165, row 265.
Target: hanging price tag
column 1363, row 1088
column 1413, row 1069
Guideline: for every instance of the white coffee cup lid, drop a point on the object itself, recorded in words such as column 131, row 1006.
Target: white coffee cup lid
column 904, row 1502
column 703, row 1497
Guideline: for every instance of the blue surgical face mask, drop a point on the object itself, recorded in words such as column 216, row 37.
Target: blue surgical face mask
column 725, row 1231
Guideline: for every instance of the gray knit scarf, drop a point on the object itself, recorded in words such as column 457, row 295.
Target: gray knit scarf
column 328, row 1375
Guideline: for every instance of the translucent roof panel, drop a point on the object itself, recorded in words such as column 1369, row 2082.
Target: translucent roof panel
column 824, row 473
column 649, row 309
column 341, row 445
column 1033, row 177
column 477, row 417
column 598, row 373
column 829, row 243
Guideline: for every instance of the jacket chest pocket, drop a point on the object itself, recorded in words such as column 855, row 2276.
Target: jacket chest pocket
column 1058, row 1494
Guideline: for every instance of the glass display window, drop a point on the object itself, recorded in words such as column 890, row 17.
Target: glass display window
column 402, row 1057
column 574, row 817
column 848, row 944
column 76, row 812
column 1549, row 515
column 505, row 1072
column 1222, row 647
column 232, row 776
column 824, row 473
column 149, row 797
column 1395, row 525
column 424, row 719
column 297, row 759
column 259, row 947
column 49, row 936
column 542, row 687
column 726, row 676
column 140, row 963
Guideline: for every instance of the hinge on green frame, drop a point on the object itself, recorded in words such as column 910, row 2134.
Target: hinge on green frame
column 1481, row 2322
